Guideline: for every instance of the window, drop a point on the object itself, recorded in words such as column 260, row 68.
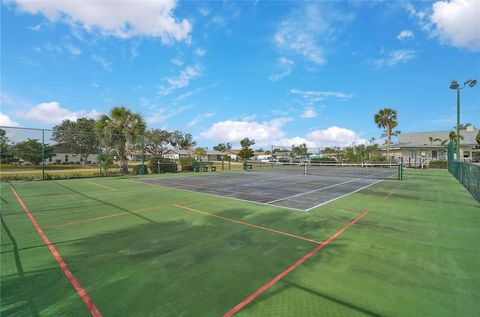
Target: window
column 66, row 157
column 466, row 154
column 434, row 154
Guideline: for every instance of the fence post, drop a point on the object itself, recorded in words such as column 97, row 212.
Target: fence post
column 43, row 154
column 142, row 155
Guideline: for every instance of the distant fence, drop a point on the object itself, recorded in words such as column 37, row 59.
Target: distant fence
column 467, row 173
column 44, row 154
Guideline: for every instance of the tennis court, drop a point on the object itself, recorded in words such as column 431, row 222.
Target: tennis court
column 297, row 186
column 122, row 247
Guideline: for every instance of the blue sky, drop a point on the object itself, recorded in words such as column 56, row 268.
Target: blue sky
column 278, row 72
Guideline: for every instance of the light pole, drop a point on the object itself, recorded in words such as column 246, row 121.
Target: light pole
column 455, row 86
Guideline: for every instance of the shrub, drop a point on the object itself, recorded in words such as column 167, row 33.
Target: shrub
column 162, row 165
column 438, row 164
column 187, row 164
column 137, row 169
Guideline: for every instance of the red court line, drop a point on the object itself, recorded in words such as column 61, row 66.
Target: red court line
column 262, row 289
column 248, row 224
column 80, row 290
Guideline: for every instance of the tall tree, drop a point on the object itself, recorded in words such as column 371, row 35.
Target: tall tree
column 222, row 147
column 79, row 137
column 121, row 126
column 477, row 138
column 199, row 153
column 386, row 118
column 5, row 148
column 180, row 140
column 157, row 141
column 31, row 151
column 299, row 150
column 246, row 152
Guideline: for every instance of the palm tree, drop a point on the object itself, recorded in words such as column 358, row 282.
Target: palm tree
column 386, row 118
column 432, row 139
column 452, row 136
column 199, row 153
column 121, row 126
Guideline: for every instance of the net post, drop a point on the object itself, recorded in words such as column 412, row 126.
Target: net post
column 43, row 154
column 142, row 141
column 223, row 163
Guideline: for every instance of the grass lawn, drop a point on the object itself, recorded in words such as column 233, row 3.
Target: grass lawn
column 142, row 250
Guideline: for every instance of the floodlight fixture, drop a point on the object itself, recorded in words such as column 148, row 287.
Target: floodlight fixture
column 454, row 84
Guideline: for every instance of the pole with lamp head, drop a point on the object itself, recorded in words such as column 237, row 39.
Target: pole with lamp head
column 455, row 86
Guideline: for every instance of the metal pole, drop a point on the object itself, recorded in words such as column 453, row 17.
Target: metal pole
column 43, row 154
column 458, row 124
column 143, row 156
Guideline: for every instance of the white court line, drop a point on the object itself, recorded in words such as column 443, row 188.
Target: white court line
column 221, row 196
column 357, row 190
column 319, row 189
column 111, row 188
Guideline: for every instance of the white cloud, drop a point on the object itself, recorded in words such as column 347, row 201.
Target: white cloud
column 234, row 131
column 123, row 19
column 52, row 113
column 182, row 80
column 308, row 31
column 199, row 118
column 73, row 50
column 37, row 27
column 334, row 136
column 200, row 52
column 405, row 35
column 321, row 94
column 249, row 117
column 7, row 121
column 107, row 65
column 176, row 61
column 308, row 113
column 285, row 66
column 457, row 23
column 395, row 57
column 271, row 133
column 204, row 11
column 163, row 114
column 188, row 94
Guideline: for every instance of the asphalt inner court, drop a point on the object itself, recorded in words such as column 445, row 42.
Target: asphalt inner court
column 290, row 189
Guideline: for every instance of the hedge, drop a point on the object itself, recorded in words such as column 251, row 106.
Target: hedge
column 438, row 164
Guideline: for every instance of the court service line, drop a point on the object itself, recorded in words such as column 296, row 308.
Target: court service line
column 345, row 195
column 104, row 186
column 220, row 196
column 84, row 220
column 394, row 191
column 319, row 189
column 265, row 287
column 247, row 224
column 80, row 290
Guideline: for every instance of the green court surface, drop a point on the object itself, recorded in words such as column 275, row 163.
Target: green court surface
column 144, row 250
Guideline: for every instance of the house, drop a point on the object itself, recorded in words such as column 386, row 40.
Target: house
column 233, row 154
column 62, row 155
column 212, row 155
column 176, row 154
column 422, row 147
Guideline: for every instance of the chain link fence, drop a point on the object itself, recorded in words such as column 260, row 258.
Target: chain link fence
column 41, row 154
column 466, row 173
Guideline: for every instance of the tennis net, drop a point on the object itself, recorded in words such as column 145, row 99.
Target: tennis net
column 348, row 170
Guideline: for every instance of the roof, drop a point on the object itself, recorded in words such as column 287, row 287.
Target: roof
column 416, row 139
column 231, row 151
column 179, row 151
column 213, row 152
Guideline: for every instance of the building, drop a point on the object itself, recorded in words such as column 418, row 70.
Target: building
column 62, row 155
column 210, row 155
column 233, row 154
column 422, row 147
column 176, row 154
